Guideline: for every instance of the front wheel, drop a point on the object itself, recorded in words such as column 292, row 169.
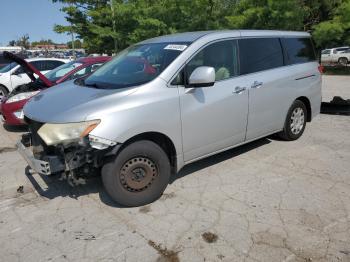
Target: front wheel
column 295, row 122
column 3, row 91
column 138, row 175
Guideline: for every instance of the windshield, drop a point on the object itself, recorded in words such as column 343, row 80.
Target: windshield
column 60, row 71
column 136, row 65
column 8, row 67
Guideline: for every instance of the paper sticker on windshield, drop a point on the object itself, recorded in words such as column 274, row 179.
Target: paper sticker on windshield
column 176, row 47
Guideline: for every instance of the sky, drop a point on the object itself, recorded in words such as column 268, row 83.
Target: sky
column 33, row 17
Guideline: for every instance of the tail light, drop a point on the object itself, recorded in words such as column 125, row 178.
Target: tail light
column 321, row 69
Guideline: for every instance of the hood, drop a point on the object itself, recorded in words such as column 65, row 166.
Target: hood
column 29, row 69
column 68, row 102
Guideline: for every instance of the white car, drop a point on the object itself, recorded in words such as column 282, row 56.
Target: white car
column 343, row 57
column 13, row 74
column 332, row 55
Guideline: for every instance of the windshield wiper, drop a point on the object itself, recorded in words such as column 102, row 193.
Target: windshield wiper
column 92, row 85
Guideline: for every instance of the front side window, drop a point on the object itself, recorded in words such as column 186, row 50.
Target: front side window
column 326, row 52
column 220, row 55
column 136, row 65
column 85, row 71
column 258, row 54
column 8, row 67
column 62, row 70
column 299, row 50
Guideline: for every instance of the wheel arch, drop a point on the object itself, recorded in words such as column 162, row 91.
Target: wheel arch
column 343, row 57
column 5, row 88
column 158, row 138
column 307, row 104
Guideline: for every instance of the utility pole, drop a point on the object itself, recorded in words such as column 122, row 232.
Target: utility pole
column 113, row 25
column 73, row 44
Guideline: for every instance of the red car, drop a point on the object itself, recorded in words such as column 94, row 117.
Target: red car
column 11, row 106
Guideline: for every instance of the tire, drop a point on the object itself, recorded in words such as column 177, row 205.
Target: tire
column 295, row 122
column 138, row 175
column 3, row 91
column 343, row 61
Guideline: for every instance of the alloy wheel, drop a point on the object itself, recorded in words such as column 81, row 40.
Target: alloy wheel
column 297, row 120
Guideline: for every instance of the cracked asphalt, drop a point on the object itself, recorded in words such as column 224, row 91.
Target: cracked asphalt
column 269, row 200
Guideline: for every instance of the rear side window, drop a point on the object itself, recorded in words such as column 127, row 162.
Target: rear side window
column 37, row 65
column 258, row 54
column 298, row 50
column 47, row 65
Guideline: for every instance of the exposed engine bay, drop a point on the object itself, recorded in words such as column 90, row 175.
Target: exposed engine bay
column 75, row 161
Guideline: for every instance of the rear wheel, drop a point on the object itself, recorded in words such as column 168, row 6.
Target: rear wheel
column 343, row 61
column 295, row 122
column 138, row 175
column 3, row 91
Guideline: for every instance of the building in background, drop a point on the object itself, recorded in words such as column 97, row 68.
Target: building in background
column 13, row 49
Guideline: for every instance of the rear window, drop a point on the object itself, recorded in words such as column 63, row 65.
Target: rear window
column 258, row 54
column 298, row 50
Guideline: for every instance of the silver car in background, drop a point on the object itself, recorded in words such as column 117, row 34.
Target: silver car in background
column 169, row 101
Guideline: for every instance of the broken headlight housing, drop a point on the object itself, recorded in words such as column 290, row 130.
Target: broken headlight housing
column 53, row 134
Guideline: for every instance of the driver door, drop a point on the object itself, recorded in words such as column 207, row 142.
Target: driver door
column 214, row 118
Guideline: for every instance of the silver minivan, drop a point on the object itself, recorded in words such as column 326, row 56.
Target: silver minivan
column 169, row 101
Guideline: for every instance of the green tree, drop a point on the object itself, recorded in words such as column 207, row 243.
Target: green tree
column 23, row 41
column 77, row 44
column 335, row 31
column 12, row 43
column 267, row 14
column 104, row 25
column 42, row 42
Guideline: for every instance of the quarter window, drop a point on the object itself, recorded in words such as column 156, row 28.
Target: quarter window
column 258, row 54
column 298, row 50
column 220, row 55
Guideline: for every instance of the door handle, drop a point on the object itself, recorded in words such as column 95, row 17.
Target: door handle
column 257, row 84
column 239, row 89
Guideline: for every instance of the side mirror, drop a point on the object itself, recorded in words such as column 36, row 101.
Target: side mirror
column 202, row 76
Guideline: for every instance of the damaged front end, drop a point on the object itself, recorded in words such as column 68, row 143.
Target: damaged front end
column 52, row 149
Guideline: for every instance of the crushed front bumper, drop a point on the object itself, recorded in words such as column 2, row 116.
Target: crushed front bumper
column 52, row 165
column 39, row 166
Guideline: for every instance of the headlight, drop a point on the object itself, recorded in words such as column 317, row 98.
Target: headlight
column 64, row 133
column 21, row 96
